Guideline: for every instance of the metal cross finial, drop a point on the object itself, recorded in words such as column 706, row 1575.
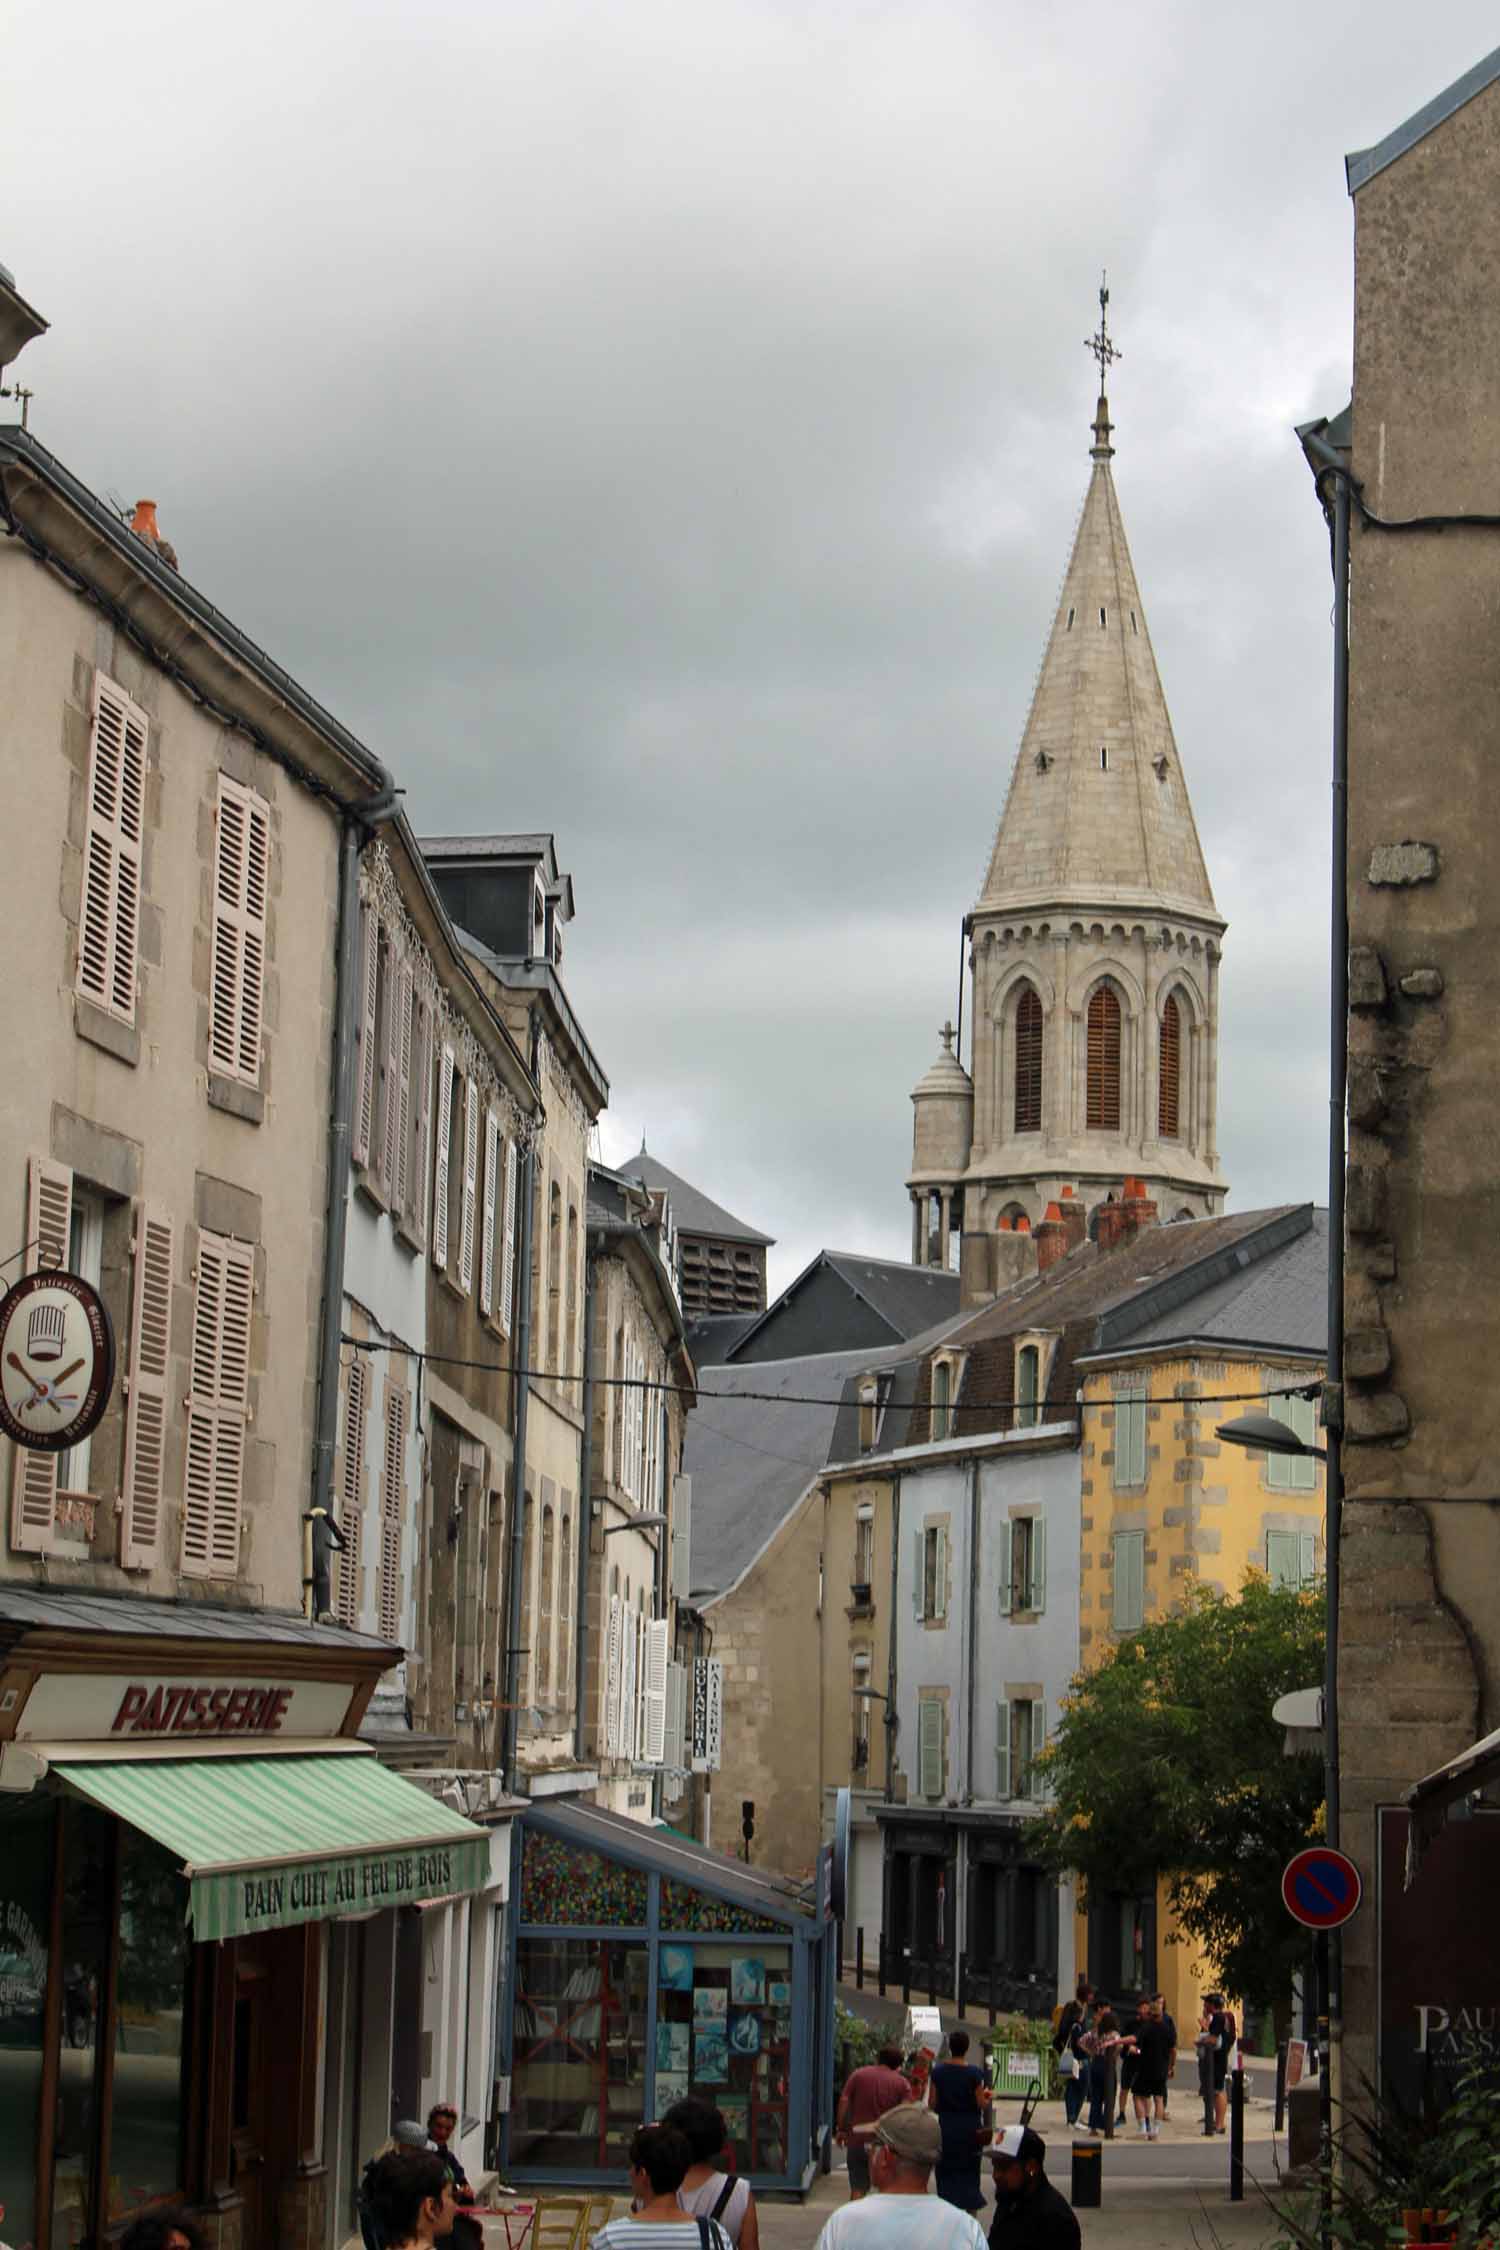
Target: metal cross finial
column 946, row 1035
column 1103, row 350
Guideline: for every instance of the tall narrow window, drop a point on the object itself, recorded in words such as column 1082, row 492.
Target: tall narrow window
column 217, row 1407
column 1028, row 1386
column 1103, row 1102
column 942, row 1385
column 1169, row 1101
column 392, row 1509
column 554, row 1277
column 242, row 853
column 1028, row 1061
column 110, row 914
column 544, row 1621
column 351, row 1495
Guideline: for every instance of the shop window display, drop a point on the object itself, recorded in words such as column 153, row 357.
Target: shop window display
column 724, row 2032
column 579, row 2082
column 562, row 1885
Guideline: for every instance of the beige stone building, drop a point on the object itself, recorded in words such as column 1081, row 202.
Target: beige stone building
column 1414, row 465
column 1093, row 948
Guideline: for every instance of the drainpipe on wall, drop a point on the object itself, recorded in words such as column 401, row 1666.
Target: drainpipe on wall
column 890, row 1669
column 522, row 1365
column 355, row 832
column 593, row 1248
column 662, row 1536
column 973, row 1647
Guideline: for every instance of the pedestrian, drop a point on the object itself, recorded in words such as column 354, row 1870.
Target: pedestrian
column 168, row 2227
column 1206, row 2045
column 1127, row 2064
column 1170, row 2021
column 442, row 2124
column 959, row 2095
column 1102, row 2046
column 660, row 2160
column 1225, row 2032
column 411, row 2198
column 707, row 2189
column 1149, row 2084
column 1072, row 2067
column 1029, row 2212
column 407, row 2136
column 901, row 2215
column 868, row 2093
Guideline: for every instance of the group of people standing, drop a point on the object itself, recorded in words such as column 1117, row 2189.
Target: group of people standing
column 1107, row 2064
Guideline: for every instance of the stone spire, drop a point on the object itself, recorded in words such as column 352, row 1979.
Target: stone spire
column 1098, row 812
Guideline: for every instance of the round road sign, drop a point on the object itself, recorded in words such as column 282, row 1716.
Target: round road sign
column 1320, row 1888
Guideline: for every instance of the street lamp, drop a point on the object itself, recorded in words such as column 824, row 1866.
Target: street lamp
column 1264, row 1433
column 647, row 1522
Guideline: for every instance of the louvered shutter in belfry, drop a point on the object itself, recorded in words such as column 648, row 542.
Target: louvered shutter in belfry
column 487, row 1213
column 146, row 1400
column 1102, row 1114
column 109, row 916
column 440, row 1155
column 471, row 1177
column 49, row 1222
column 217, row 1403
column 392, row 1510
column 242, row 856
column 1028, row 1108
column 1170, row 1083
column 351, row 1493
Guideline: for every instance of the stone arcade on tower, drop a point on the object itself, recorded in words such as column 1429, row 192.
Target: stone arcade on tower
column 1094, row 948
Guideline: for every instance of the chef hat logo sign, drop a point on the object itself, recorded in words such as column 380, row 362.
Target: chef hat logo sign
column 45, row 1328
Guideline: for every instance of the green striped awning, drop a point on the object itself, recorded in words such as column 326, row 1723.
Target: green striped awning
column 266, row 1842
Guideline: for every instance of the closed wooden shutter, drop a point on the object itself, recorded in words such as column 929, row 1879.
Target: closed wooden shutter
column 508, row 1240
column 109, row 917
column 1005, row 1549
column 628, row 1706
column 414, row 1199
column 1169, row 1100
column 1129, row 1581
column 487, row 1213
column 1103, row 1103
column 440, row 1153
column 614, row 1669
column 674, row 1747
column 930, row 1747
column 1038, row 1745
column 919, row 1576
column 1307, row 1546
column 940, row 1574
column 1283, row 1558
column 397, row 1066
column 242, row 859
column 351, row 1492
column 1002, row 1749
column 214, row 1481
column 654, row 1697
column 471, row 1180
column 49, row 1222
column 392, row 1511
column 1028, row 1110
column 146, row 1403
column 1036, row 1591
column 369, row 1002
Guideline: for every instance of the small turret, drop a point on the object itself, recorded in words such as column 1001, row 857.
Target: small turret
column 942, row 1135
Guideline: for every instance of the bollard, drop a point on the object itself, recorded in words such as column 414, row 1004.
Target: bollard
column 1237, row 2127
column 1085, row 2193
column 1280, row 2118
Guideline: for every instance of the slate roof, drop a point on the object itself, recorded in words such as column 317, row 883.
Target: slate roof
column 1278, row 1303
column 711, row 1339
column 44, row 1609
column 907, row 1298
column 695, row 1212
column 1363, row 163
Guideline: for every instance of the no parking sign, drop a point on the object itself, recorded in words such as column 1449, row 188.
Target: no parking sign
column 1320, row 1888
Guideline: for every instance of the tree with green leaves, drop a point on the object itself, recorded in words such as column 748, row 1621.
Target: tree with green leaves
column 1167, row 1765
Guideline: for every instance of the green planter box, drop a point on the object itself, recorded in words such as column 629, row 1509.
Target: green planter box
column 1014, row 2070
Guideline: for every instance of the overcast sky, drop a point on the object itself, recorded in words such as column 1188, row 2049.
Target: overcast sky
column 665, row 422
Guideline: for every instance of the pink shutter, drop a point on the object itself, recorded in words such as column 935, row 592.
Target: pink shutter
column 216, row 1408
column 369, row 971
column 109, row 919
column 471, row 1177
column 146, row 1406
column 487, row 1213
column 440, row 1155
column 351, row 1494
column 49, row 1220
column 392, row 1507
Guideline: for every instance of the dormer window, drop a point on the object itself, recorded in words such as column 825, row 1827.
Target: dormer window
column 1028, row 1386
column 869, row 1413
column 942, row 1387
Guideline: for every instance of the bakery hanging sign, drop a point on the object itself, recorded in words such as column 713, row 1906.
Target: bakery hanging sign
column 57, row 1361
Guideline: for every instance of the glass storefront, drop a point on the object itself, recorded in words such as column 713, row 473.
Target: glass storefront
column 724, row 2033
column 150, row 2003
column 580, row 2051
column 25, row 1924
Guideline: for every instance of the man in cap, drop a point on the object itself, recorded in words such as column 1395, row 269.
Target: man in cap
column 1029, row 2212
column 901, row 2215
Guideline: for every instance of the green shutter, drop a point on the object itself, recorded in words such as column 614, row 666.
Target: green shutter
column 1307, row 1542
column 1130, row 1581
column 1282, row 1558
column 940, row 1574
column 1004, row 1546
column 919, row 1558
column 930, row 1747
column 1036, row 1592
column 1002, row 1749
column 1038, row 1744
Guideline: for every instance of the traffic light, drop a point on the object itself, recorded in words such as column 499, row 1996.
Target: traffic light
column 747, row 1822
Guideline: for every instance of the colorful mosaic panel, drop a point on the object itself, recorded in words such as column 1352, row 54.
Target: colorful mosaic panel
column 684, row 1909
column 563, row 1887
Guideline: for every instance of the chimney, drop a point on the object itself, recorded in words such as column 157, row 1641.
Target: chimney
column 1123, row 1217
column 143, row 523
column 1074, row 1218
column 1051, row 1239
column 1016, row 1253
column 1140, row 1208
column 1109, row 1224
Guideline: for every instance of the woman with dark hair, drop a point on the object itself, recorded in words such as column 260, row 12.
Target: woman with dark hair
column 409, row 2198
column 707, row 2190
column 659, row 2161
column 958, row 2093
column 167, row 2228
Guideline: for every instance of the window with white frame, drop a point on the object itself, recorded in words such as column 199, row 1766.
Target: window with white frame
column 864, row 1546
column 1023, row 1565
column 1292, row 1558
column 1028, row 1386
column 1020, row 1738
column 1128, row 1606
column 442, row 1158
column 859, row 1757
column 930, row 1592
column 1130, row 1429
column 1292, row 1472
column 109, row 912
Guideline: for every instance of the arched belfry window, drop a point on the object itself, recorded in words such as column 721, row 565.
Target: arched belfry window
column 1103, row 1106
column 1028, row 1036
column 1169, row 1097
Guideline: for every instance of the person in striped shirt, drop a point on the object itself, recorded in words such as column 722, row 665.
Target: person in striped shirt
column 659, row 2160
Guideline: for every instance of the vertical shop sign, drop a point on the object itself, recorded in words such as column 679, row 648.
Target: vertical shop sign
column 708, row 1713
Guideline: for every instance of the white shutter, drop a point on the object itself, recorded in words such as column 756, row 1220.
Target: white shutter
column 214, row 1480
column 654, row 1747
column 369, row 988
column 487, row 1221
column 1281, row 1558
column 1002, row 1749
column 930, row 1747
column 49, row 1221
column 1036, row 1592
column 242, row 857
column 627, row 1683
column 109, row 916
column 440, row 1160
column 940, row 1576
column 614, row 1665
column 1005, row 1549
column 1038, row 1744
column 471, row 1174
column 420, row 1102
column 1308, row 1556
column 395, row 1063
column 918, row 1562
column 682, row 1538
column 508, row 1242
column 146, row 1403
column 351, row 1493
column 674, row 1748
column 392, row 1510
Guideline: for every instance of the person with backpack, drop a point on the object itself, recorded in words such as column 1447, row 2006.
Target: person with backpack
column 660, row 2160
column 1072, row 2066
column 707, row 2191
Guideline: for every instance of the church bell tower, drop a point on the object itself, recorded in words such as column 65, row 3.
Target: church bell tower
column 1094, row 946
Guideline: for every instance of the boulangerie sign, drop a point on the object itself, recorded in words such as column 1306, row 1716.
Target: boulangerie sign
column 708, row 1713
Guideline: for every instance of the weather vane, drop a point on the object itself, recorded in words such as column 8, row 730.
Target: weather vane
column 1103, row 350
